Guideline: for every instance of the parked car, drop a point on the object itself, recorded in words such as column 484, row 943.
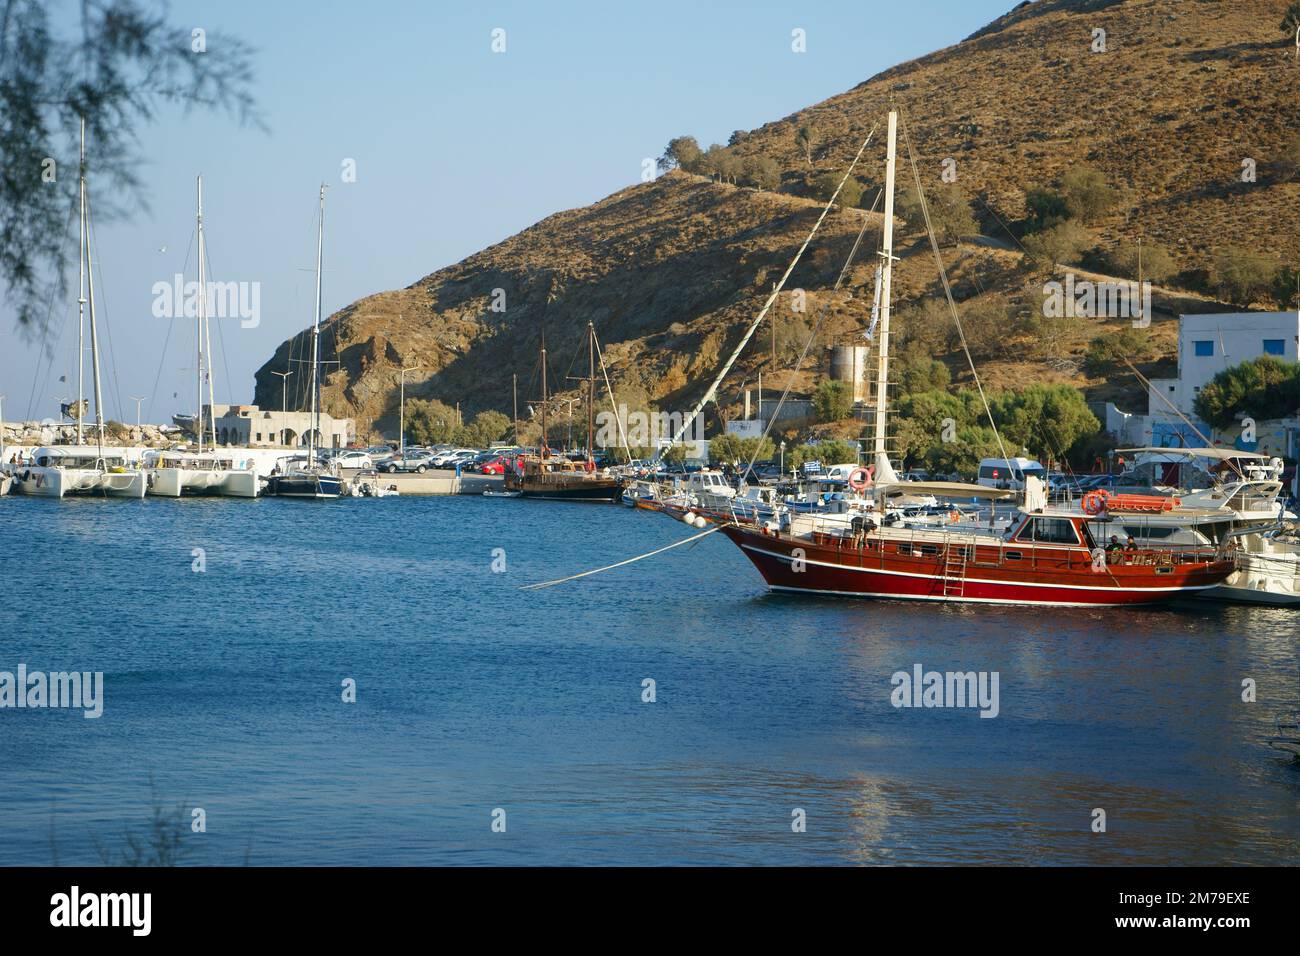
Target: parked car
column 450, row 458
column 356, row 459
column 497, row 465
column 419, row 463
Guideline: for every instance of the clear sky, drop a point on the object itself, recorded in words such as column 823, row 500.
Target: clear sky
column 456, row 148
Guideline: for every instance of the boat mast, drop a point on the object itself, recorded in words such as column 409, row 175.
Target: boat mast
column 90, row 290
column 884, row 470
column 315, row 340
column 591, row 390
column 202, row 326
column 81, row 288
column 542, row 450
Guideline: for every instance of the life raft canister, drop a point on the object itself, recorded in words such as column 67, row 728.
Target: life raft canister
column 859, row 478
column 1094, row 502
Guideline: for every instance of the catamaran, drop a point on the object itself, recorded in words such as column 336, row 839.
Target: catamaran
column 56, row 471
column 172, row 474
column 311, row 478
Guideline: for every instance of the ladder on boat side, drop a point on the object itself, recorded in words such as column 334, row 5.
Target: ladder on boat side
column 954, row 571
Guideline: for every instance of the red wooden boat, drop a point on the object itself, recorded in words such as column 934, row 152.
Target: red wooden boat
column 1048, row 558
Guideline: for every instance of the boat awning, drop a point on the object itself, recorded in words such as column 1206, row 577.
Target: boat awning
column 1218, row 454
column 949, row 489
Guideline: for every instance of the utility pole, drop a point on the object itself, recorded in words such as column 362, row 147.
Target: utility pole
column 401, row 415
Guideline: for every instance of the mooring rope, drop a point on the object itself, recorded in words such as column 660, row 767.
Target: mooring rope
column 610, row 567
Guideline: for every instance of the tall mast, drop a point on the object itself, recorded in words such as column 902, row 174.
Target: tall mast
column 315, row 339
column 514, row 392
column 591, row 389
column 884, row 470
column 90, row 290
column 202, row 326
column 81, row 287
column 542, row 450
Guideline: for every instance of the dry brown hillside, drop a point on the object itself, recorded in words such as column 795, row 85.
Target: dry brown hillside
column 670, row 272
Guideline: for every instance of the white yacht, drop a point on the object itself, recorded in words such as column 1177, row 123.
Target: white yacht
column 174, row 474
column 56, row 471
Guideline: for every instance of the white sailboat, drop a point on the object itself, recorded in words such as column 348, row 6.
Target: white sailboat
column 56, row 471
column 172, row 474
column 311, row 478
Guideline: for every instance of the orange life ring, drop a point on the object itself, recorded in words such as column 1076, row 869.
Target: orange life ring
column 859, row 478
column 1094, row 502
column 954, row 516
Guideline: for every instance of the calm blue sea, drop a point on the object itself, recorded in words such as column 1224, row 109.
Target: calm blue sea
column 223, row 691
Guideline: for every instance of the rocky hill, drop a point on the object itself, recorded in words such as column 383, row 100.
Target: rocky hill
column 669, row 272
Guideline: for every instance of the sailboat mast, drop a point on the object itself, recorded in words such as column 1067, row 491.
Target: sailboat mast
column 81, row 288
column 90, row 291
column 591, row 390
column 202, row 325
column 315, row 339
column 542, row 450
column 887, row 251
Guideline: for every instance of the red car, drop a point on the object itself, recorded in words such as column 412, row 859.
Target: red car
column 496, row 466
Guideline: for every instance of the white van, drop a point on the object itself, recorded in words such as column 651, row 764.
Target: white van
column 1009, row 473
column 840, row 472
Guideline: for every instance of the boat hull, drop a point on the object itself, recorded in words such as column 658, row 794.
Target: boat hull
column 48, row 482
column 183, row 482
column 843, row 568
column 305, row 486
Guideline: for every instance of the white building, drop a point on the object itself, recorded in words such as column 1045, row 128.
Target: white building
column 251, row 427
column 1208, row 344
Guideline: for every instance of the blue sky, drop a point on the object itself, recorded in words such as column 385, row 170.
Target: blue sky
column 456, row 148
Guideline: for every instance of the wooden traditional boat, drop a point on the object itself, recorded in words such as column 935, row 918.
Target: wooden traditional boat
column 1049, row 558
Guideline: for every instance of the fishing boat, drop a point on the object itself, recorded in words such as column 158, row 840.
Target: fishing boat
column 558, row 477
column 58, row 470
column 311, row 478
column 173, row 474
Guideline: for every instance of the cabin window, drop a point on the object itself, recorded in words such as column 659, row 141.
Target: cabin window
column 905, row 548
column 929, row 549
column 1014, row 555
column 1050, row 531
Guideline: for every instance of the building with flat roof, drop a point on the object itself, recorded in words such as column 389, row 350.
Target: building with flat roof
column 1208, row 344
column 251, row 427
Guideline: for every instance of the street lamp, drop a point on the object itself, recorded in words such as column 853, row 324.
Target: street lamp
column 284, row 381
column 783, row 457
column 139, row 435
column 401, row 414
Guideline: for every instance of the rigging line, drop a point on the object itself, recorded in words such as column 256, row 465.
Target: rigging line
column 947, row 287
column 1146, row 383
column 610, row 389
column 108, row 327
column 221, row 335
column 610, row 567
column 45, row 328
column 771, row 299
column 171, row 324
column 812, row 337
